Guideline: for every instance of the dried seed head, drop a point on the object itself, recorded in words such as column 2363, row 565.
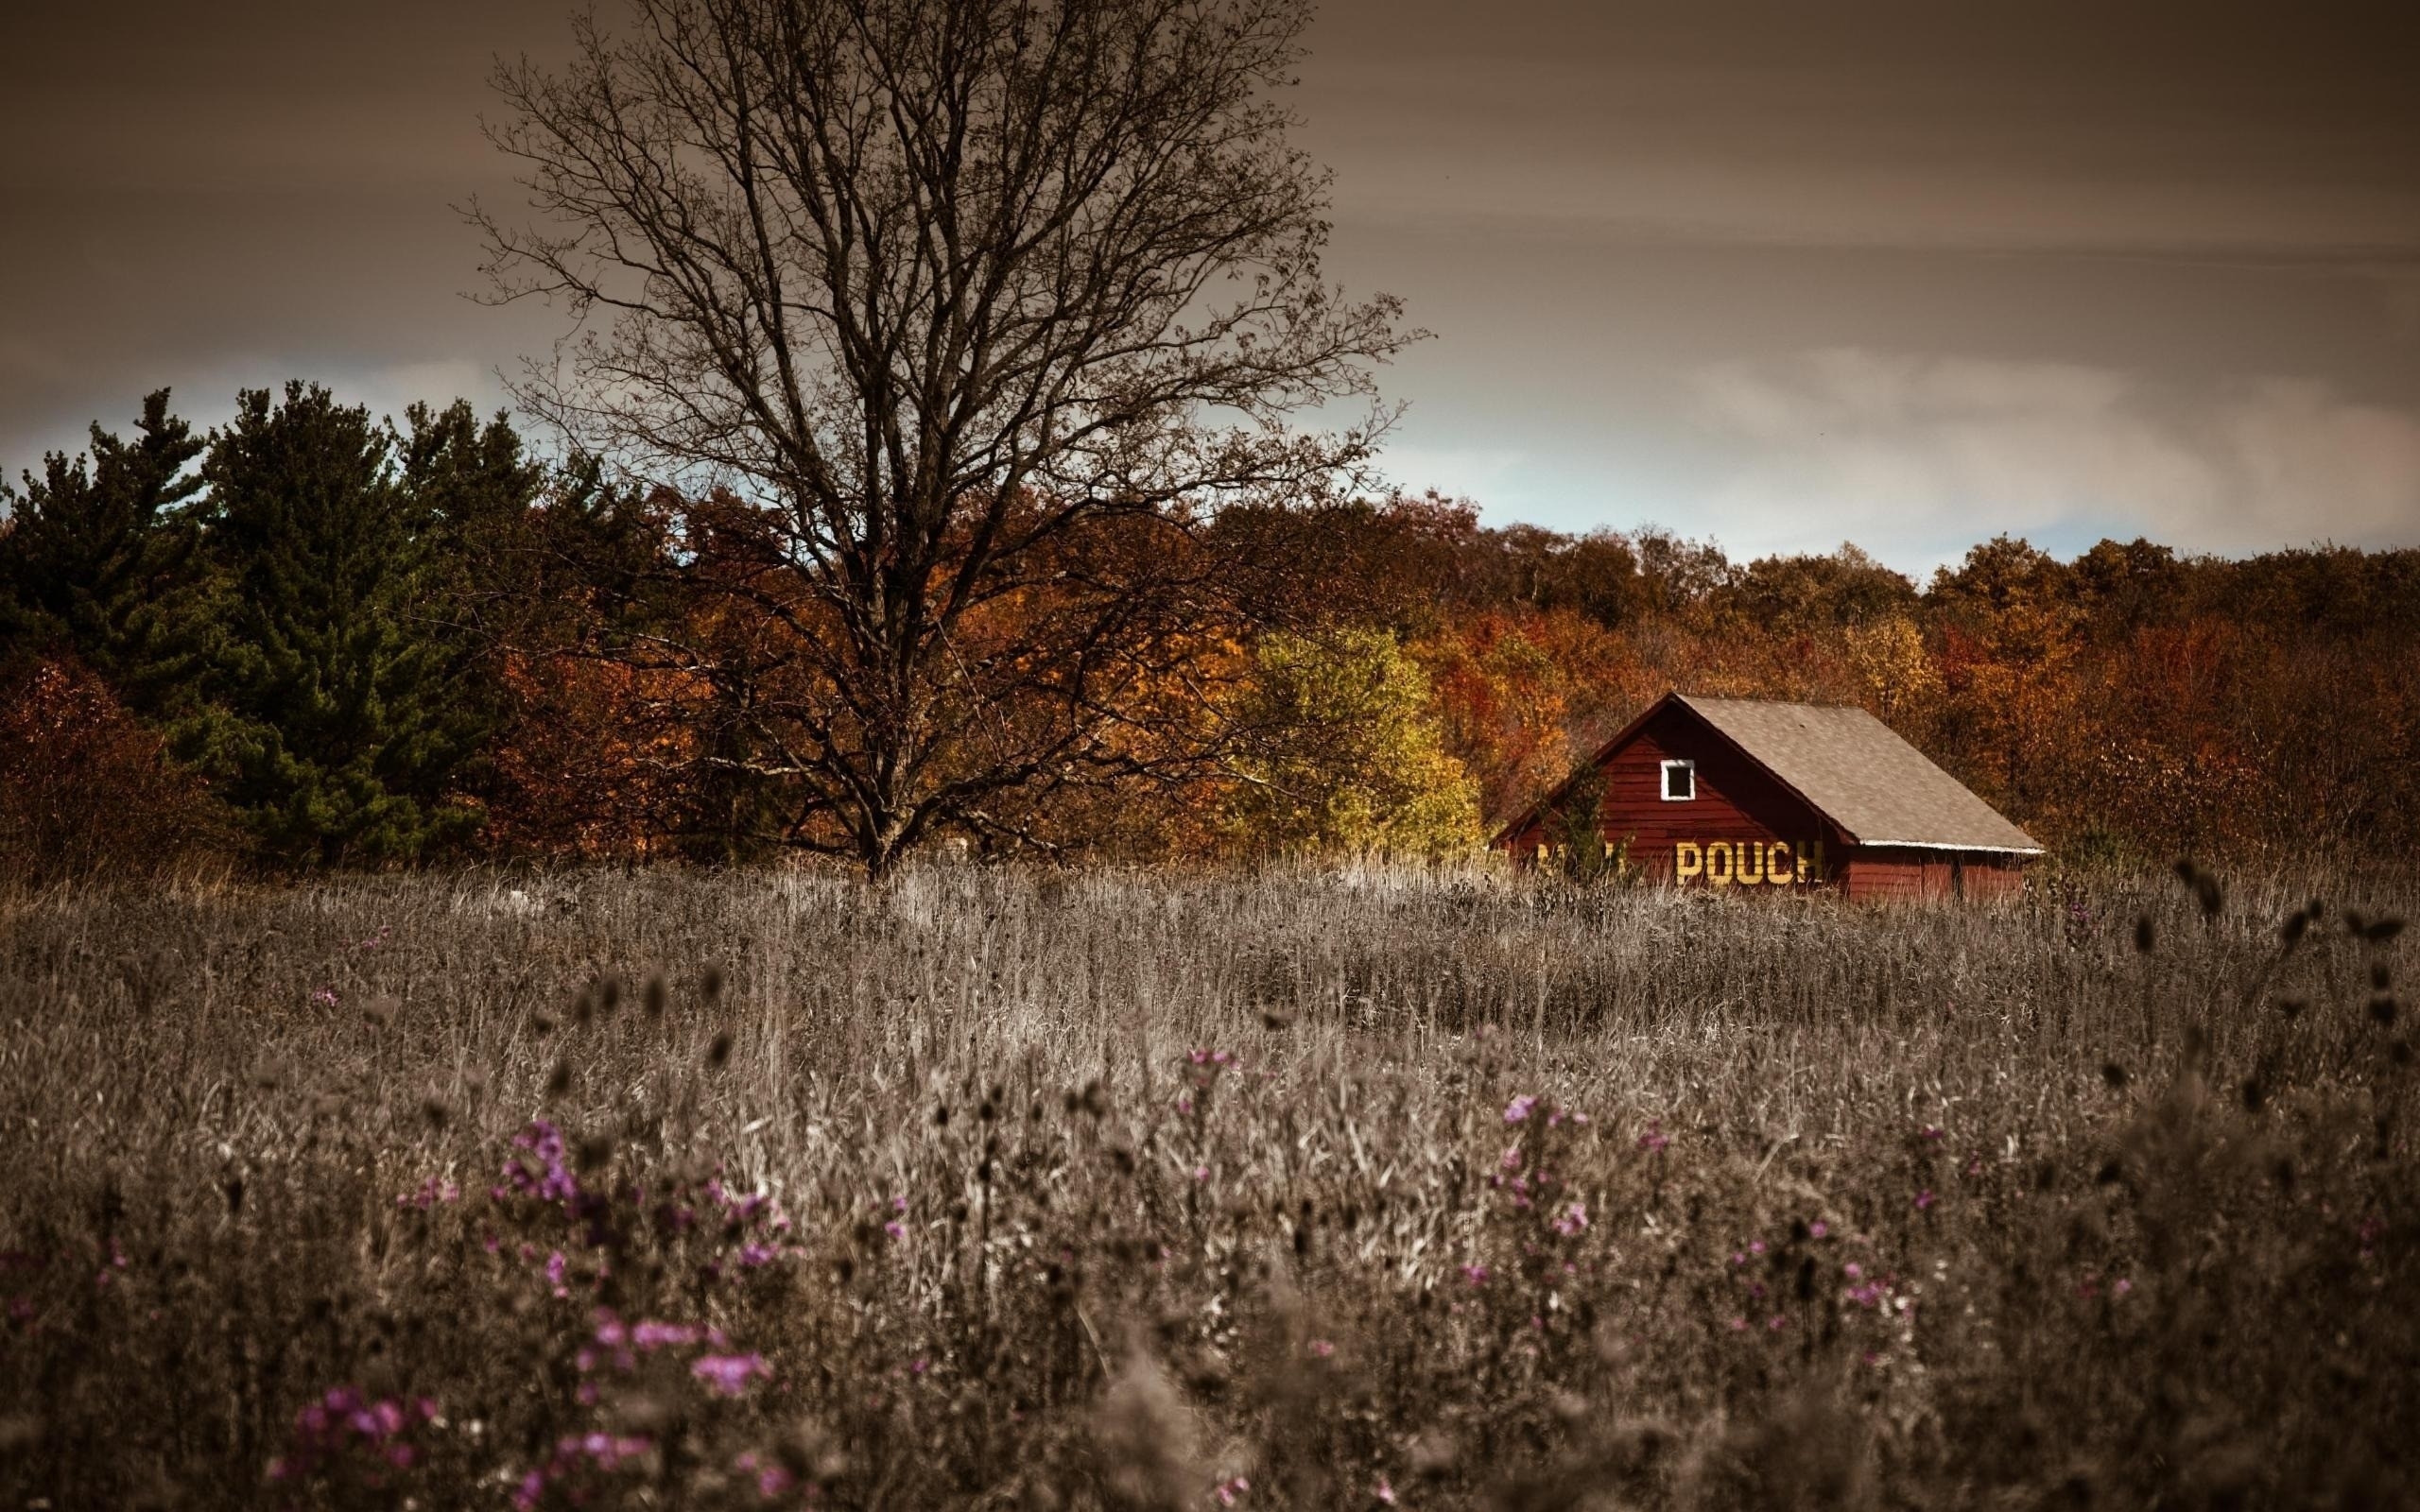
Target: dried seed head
column 2145, row 935
column 559, row 1082
column 654, row 995
column 711, row 984
column 433, row 1109
column 720, row 1051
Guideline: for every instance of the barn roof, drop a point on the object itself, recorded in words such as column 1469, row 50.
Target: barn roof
column 1859, row 772
column 1848, row 765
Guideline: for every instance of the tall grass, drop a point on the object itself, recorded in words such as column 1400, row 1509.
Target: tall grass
column 1135, row 1189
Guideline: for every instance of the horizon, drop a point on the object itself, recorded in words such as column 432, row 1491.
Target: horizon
column 1893, row 279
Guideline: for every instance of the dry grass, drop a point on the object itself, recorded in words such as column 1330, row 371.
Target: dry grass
column 1211, row 1192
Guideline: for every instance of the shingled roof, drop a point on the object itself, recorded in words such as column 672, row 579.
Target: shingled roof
column 1862, row 775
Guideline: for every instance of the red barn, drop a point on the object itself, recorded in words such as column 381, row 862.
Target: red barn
column 1745, row 793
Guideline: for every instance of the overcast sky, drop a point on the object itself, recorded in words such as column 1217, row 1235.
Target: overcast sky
column 1781, row 274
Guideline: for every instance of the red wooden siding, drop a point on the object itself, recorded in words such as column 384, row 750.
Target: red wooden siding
column 1911, row 873
column 1739, row 807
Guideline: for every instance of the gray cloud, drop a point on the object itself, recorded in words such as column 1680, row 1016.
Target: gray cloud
column 1627, row 222
column 1916, row 448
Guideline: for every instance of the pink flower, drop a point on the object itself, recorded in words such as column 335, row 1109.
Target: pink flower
column 1755, row 1247
column 1655, row 1141
column 1321, row 1348
column 664, row 1335
column 728, row 1374
column 1925, row 1199
column 2120, row 1287
column 895, row 1229
column 1519, row 1108
column 1385, row 1493
column 1228, row 1490
column 1818, row 1228
column 1574, row 1219
column 1929, row 1132
column 1476, row 1274
column 1201, row 1173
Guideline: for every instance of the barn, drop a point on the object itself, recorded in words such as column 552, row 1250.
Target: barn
column 1765, row 795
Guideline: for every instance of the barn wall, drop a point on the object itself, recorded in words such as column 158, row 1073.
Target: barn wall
column 1737, row 806
column 1910, row 874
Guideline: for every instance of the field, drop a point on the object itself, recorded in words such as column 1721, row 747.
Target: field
column 1151, row 1189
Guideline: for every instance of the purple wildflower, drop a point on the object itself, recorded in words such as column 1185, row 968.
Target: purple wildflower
column 728, row 1374
column 1519, row 1108
column 540, row 1171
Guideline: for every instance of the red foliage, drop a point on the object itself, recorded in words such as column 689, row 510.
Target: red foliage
column 87, row 790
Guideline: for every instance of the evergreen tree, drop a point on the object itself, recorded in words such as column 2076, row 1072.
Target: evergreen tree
column 95, row 550
column 334, row 713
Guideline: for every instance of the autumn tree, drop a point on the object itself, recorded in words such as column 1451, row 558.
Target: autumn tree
column 1345, row 753
column 983, row 309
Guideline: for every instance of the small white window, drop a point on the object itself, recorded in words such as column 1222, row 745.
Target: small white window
column 1680, row 781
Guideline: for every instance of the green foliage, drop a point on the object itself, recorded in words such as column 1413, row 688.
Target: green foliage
column 1574, row 831
column 338, row 702
column 95, row 549
column 1346, row 755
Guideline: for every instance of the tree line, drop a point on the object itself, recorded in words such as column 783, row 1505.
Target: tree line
column 316, row 638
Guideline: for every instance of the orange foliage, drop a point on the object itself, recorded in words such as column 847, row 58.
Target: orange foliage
column 86, row 790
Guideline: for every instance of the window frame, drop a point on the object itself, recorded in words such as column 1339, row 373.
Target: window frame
column 1663, row 779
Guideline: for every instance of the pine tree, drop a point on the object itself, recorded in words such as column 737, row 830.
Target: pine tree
column 334, row 711
column 95, row 551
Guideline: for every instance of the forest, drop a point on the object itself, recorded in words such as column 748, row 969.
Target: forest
column 314, row 637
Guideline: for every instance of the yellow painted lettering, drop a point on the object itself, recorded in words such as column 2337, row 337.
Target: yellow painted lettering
column 1719, row 863
column 1777, row 863
column 1751, row 862
column 1688, row 860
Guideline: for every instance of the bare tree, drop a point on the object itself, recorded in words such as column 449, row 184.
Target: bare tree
column 974, row 315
